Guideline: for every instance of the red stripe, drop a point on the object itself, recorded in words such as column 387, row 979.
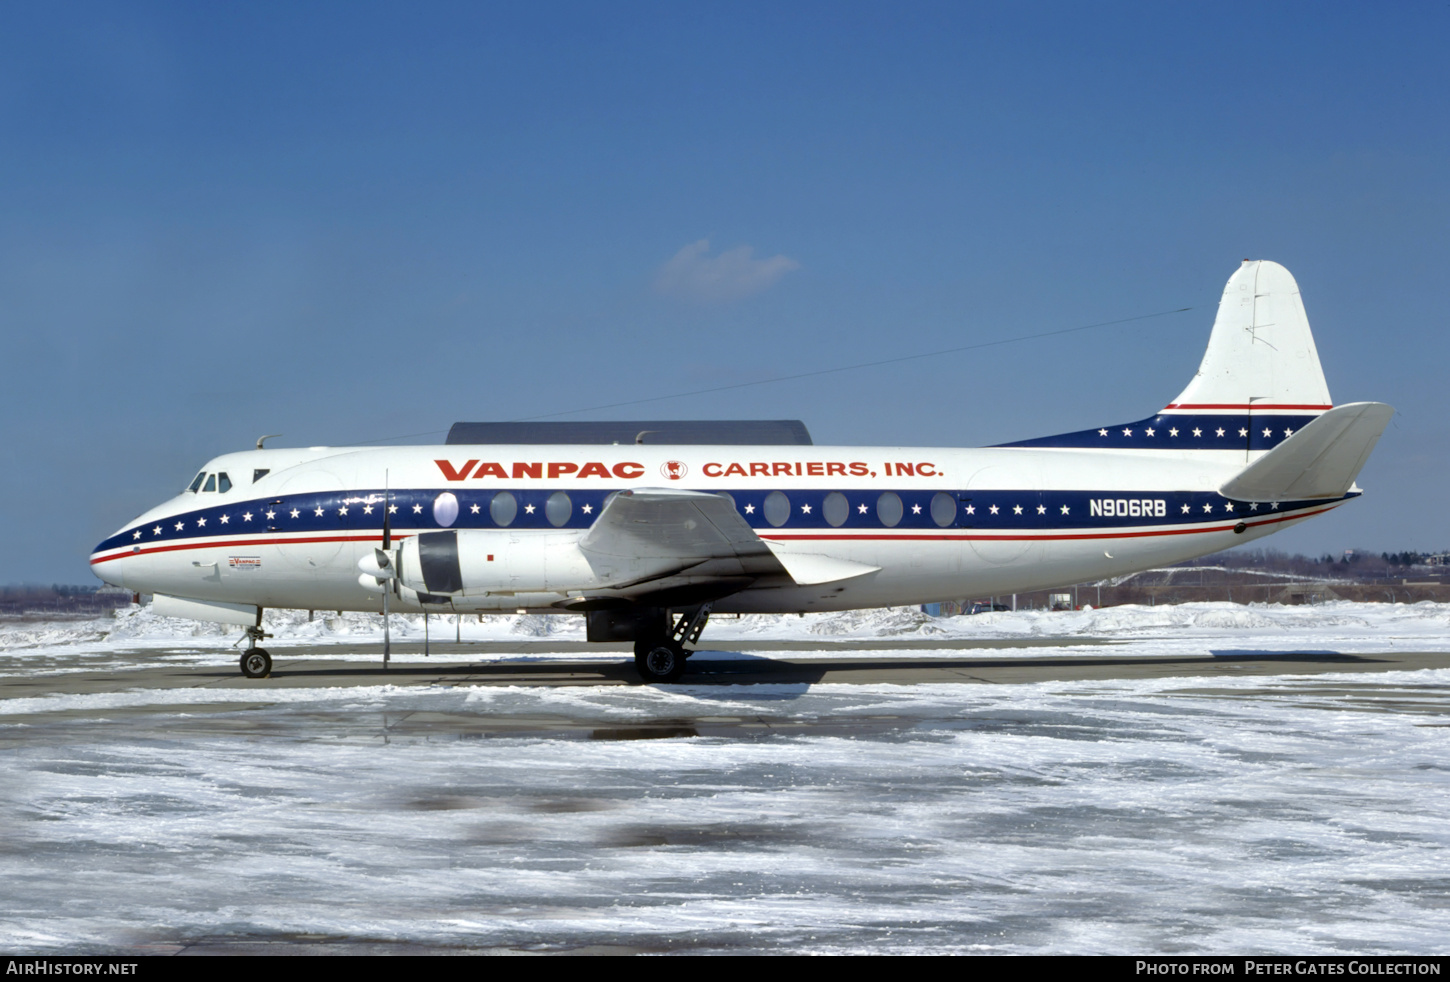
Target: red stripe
column 230, row 543
column 1084, row 535
column 1241, row 405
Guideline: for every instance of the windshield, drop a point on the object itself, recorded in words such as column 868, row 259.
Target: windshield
column 197, row 483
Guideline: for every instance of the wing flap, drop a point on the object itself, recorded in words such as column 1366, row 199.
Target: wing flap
column 1320, row 461
column 810, row 568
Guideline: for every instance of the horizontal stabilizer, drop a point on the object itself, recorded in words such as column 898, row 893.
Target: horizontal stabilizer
column 810, row 568
column 1320, row 461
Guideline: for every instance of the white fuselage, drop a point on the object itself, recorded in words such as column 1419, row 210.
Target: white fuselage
column 971, row 523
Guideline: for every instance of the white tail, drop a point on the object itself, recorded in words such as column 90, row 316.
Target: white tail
column 1261, row 354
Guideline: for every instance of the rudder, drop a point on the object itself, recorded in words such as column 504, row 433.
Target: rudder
column 1261, row 353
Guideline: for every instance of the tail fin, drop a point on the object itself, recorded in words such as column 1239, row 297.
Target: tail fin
column 1261, row 354
column 1259, row 383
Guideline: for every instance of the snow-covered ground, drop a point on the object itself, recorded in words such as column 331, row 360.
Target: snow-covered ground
column 1242, row 814
column 1168, row 629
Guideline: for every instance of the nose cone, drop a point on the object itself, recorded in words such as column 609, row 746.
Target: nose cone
column 108, row 560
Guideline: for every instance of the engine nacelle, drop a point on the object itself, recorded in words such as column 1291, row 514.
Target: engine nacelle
column 476, row 561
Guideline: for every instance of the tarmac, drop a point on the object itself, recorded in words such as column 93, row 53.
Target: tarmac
column 547, row 664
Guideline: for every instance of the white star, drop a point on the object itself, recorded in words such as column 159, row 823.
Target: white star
column 1253, row 506
column 368, row 509
column 1127, row 432
column 137, row 535
column 1288, row 432
column 271, row 515
column 1228, row 506
column 993, row 509
column 1274, row 505
column 1173, row 432
column 1102, row 432
column 805, row 509
column 916, row 509
column 1042, row 509
column 1243, row 432
column 180, row 526
column 971, row 509
column 861, row 509
column 1208, row 508
column 246, row 516
column 1185, row 509
column 200, row 522
column 1016, row 509
column 342, row 510
column 295, row 513
column 225, row 520
column 474, row 509
column 1197, row 431
column 587, row 509
column 1220, row 431
column 1064, row 509
column 1149, row 431
column 750, row 509
column 392, row 509
column 1268, row 432
column 317, row 512
column 156, row 530
column 417, row 509
column 528, row 509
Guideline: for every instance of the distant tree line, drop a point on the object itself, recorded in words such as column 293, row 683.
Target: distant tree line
column 1356, row 563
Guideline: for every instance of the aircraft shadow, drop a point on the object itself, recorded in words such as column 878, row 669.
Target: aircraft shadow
column 757, row 670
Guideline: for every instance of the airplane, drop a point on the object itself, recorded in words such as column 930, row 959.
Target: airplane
column 647, row 527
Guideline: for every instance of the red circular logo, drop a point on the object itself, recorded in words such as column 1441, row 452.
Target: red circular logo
column 674, row 469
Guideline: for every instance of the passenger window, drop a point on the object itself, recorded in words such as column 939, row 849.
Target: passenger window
column 558, row 508
column 777, row 508
column 836, row 509
column 197, row 483
column 888, row 508
column 943, row 509
column 210, row 483
column 503, row 509
column 223, row 483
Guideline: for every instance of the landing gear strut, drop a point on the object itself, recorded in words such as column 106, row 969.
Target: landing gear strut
column 662, row 659
column 256, row 663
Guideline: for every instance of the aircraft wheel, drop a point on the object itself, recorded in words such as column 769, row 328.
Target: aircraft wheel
column 661, row 663
column 256, row 663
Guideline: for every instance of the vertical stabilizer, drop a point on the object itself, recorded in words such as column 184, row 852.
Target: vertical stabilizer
column 1261, row 354
column 1259, row 383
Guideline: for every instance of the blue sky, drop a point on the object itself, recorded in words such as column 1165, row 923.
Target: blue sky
column 345, row 222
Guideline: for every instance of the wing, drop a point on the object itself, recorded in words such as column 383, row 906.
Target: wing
column 666, row 546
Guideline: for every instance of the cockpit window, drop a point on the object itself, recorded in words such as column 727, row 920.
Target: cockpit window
column 223, row 483
column 260, row 473
column 210, row 483
column 197, row 483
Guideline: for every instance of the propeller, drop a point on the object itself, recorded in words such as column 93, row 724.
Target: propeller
column 385, row 561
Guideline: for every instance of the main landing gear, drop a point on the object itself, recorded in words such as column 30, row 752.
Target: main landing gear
column 662, row 658
column 256, row 663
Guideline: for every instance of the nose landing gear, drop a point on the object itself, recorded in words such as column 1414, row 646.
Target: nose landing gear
column 256, row 662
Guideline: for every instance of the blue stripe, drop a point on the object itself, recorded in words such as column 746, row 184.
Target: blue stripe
column 1240, row 432
column 916, row 506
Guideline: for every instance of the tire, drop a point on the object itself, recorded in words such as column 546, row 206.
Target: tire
column 661, row 663
column 256, row 663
